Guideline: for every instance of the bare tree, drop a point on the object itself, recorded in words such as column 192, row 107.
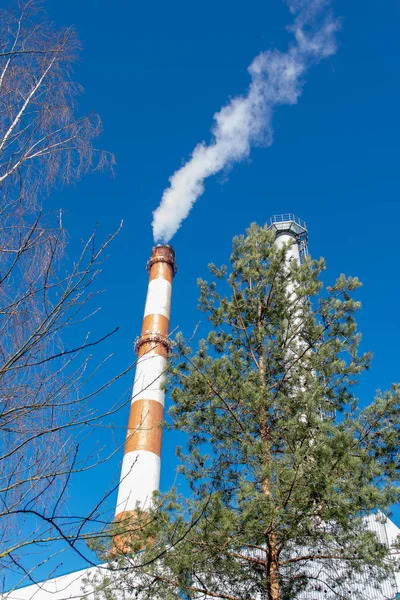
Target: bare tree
column 46, row 387
column 42, row 140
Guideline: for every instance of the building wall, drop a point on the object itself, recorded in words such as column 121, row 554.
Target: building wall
column 68, row 587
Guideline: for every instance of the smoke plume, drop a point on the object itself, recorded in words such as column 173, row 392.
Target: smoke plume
column 276, row 78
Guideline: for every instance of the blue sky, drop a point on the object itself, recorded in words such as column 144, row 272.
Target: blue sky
column 156, row 72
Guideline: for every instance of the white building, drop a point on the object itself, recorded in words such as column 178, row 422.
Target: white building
column 74, row 585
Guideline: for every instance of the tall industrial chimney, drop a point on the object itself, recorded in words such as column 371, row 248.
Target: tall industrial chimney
column 140, row 474
column 290, row 228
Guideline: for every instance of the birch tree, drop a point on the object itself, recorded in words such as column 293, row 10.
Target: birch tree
column 48, row 388
column 43, row 140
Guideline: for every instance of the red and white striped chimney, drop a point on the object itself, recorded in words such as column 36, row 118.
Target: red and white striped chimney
column 140, row 475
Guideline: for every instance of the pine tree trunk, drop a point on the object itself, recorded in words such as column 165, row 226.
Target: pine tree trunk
column 272, row 566
column 273, row 589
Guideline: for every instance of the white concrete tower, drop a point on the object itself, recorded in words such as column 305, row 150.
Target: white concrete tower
column 140, row 475
column 290, row 228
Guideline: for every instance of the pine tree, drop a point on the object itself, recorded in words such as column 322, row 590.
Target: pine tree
column 283, row 464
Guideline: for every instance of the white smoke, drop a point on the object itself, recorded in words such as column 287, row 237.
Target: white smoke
column 276, row 79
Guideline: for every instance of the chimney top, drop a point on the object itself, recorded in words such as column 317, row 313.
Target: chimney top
column 163, row 253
